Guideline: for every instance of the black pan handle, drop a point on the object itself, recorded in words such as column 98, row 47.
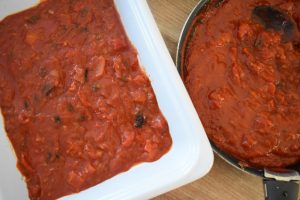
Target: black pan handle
column 280, row 190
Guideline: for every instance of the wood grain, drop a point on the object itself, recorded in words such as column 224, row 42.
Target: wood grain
column 223, row 182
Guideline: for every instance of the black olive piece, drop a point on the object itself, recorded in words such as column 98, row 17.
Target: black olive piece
column 82, row 118
column 219, row 3
column 84, row 30
column 86, row 75
column 42, row 72
column 47, row 89
column 33, row 19
column 84, row 12
column 57, row 156
column 95, row 88
column 258, row 43
column 279, row 83
column 50, row 157
column 26, row 104
column 57, row 119
column 139, row 121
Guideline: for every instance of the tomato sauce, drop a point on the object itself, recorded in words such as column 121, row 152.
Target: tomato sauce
column 245, row 82
column 78, row 108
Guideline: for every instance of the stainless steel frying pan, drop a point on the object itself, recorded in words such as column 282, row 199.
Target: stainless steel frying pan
column 277, row 186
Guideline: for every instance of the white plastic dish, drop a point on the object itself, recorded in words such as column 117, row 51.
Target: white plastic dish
column 190, row 157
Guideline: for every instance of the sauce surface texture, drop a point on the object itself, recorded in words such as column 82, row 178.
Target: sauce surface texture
column 78, row 108
column 245, row 82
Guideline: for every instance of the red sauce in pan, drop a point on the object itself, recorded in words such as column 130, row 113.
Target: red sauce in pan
column 245, row 83
column 78, row 108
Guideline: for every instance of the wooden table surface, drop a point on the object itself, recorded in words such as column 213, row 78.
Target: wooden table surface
column 223, row 182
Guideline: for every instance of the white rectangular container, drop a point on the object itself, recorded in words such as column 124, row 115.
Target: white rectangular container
column 190, row 157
